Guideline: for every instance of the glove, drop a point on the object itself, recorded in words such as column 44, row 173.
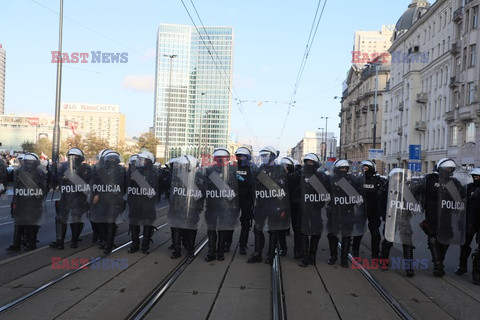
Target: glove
column 240, row 178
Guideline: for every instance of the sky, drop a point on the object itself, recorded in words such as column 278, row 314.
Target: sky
column 269, row 44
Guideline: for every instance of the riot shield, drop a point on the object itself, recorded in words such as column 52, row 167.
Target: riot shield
column 221, row 197
column 452, row 207
column 108, row 189
column 74, row 187
column 272, row 204
column 186, row 197
column 142, row 197
column 346, row 214
column 314, row 196
column 29, row 193
column 404, row 210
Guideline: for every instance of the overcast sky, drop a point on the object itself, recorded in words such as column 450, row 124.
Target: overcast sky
column 270, row 41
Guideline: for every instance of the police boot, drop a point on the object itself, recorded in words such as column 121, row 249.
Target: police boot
column 297, row 249
column 110, row 239
column 333, row 245
column 272, row 245
column 464, row 253
column 170, row 247
column 15, row 246
column 433, row 245
column 147, row 238
column 312, row 254
column 242, row 243
column 344, row 252
column 408, row 257
column 135, row 234
column 176, row 243
column 375, row 243
column 61, row 231
column 95, row 231
column 304, row 249
column 191, row 235
column 32, row 232
column 385, row 255
column 356, row 246
column 476, row 268
column 212, row 245
column 102, row 235
column 76, row 231
column 23, row 235
column 282, row 242
column 228, row 240
column 222, row 234
column 259, row 244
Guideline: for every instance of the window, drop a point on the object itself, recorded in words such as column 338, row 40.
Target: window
column 470, row 132
column 473, row 53
column 475, row 17
column 471, row 93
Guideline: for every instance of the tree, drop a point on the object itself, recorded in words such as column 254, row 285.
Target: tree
column 93, row 145
column 28, row 146
column 148, row 141
column 43, row 145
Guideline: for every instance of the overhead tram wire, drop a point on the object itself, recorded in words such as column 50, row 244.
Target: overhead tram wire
column 215, row 62
column 308, row 47
column 92, row 30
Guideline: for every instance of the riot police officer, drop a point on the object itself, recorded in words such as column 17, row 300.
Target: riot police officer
column 3, row 177
column 346, row 217
column 186, row 203
column 245, row 173
column 313, row 195
column 73, row 180
column 293, row 184
column 132, row 162
column 98, row 236
column 221, row 201
column 444, row 207
column 372, row 183
column 143, row 195
column 272, row 207
column 108, row 188
column 472, row 225
column 28, row 204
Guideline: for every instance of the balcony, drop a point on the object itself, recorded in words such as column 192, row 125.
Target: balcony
column 400, row 130
column 450, row 116
column 422, row 97
column 455, row 48
column 458, row 15
column 423, row 154
column 371, row 108
column 400, row 106
column 420, row 125
column 453, row 82
column 364, row 109
column 464, row 113
column 399, row 155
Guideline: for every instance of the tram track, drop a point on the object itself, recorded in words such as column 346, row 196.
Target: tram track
column 58, row 279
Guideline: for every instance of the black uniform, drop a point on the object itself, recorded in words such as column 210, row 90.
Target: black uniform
column 143, row 194
column 74, row 186
column 245, row 174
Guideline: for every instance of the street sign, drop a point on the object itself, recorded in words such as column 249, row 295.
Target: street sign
column 415, row 166
column 414, row 152
column 375, row 154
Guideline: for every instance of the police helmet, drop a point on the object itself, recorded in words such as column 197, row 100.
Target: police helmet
column 369, row 164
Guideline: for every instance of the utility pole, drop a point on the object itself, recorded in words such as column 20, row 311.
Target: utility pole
column 56, row 127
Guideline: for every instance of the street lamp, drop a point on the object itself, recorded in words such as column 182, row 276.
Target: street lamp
column 341, row 118
column 326, row 132
column 321, row 143
column 376, row 65
column 171, row 56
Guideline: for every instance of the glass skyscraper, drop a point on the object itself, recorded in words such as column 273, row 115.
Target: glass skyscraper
column 193, row 85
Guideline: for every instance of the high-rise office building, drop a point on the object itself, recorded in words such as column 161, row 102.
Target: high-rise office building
column 193, row 89
column 2, row 80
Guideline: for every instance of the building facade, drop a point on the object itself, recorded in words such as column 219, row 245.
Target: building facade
column 193, row 85
column 3, row 57
column 314, row 142
column 366, row 43
column 432, row 100
column 18, row 129
column 103, row 120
